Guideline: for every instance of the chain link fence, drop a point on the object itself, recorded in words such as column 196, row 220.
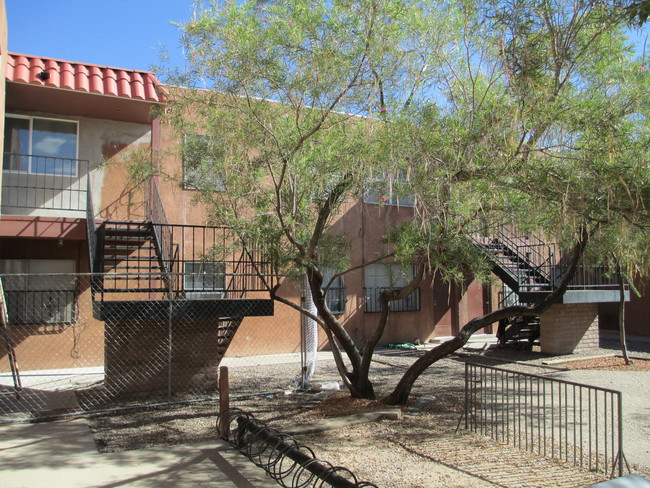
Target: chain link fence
column 68, row 349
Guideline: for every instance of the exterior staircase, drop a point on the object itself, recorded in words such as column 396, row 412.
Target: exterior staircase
column 530, row 269
column 129, row 258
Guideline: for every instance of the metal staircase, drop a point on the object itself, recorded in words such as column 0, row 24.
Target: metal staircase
column 130, row 258
column 530, row 270
column 523, row 264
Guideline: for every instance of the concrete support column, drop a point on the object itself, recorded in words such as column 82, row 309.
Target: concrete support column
column 566, row 328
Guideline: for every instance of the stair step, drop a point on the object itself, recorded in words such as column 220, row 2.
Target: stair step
column 134, row 290
column 115, row 251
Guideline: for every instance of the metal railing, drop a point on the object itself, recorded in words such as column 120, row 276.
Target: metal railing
column 373, row 300
column 572, row 422
column 44, row 183
column 537, row 266
column 50, row 306
column 217, row 248
column 156, row 214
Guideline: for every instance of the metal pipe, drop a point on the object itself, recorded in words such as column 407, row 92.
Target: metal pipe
column 277, row 447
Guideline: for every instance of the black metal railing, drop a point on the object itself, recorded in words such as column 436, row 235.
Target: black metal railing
column 156, row 215
column 572, row 422
column 536, row 266
column 91, row 227
column 43, row 182
column 335, row 299
column 210, row 249
column 41, row 306
column 373, row 300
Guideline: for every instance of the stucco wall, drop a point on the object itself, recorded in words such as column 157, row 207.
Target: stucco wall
column 3, row 70
column 108, row 146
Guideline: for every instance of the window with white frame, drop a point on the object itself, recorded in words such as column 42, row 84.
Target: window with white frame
column 39, row 291
column 335, row 295
column 384, row 277
column 389, row 191
column 40, row 145
column 202, row 157
column 204, row 280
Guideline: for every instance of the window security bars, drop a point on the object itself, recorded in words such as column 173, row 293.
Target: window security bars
column 59, row 184
column 335, row 298
column 373, row 300
column 41, row 306
column 572, row 422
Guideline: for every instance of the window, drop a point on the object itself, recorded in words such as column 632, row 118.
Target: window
column 40, row 146
column 387, row 191
column 202, row 156
column 203, row 280
column 382, row 277
column 335, row 296
column 34, row 296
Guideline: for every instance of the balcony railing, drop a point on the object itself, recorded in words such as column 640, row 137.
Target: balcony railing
column 35, row 185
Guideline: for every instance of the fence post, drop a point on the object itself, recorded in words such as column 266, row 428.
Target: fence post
column 224, row 402
column 170, row 339
column 620, row 456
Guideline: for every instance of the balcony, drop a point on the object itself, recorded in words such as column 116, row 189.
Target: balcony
column 44, row 186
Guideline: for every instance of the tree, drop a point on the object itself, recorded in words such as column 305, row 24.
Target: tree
column 482, row 110
column 638, row 11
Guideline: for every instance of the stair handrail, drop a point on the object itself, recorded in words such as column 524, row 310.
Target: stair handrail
column 91, row 226
column 536, row 254
column 156, row 215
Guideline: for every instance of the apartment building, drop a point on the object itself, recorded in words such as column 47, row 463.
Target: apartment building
column 112, row 264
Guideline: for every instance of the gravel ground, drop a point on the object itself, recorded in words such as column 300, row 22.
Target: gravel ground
column 422, row 449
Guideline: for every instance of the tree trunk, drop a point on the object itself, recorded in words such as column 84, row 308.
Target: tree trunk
column 402, row 391
column 621, row 314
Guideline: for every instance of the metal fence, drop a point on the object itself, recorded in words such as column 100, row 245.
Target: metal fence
column 576, row 423
column 73, row 354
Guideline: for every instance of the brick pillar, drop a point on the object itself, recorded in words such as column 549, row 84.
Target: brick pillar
column 566, row 328
column 137, row 357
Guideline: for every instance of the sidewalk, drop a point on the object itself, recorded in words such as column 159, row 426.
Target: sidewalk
column 63, row 453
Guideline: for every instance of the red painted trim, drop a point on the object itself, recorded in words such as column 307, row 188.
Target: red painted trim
column 42, row 227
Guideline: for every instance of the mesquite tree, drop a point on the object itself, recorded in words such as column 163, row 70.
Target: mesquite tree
column 529, row 112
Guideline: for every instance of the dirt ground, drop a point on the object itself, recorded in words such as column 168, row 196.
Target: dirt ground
column 421, row 449
column 611, row 363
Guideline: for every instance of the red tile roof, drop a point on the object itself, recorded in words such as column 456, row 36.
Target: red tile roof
column 88, row 78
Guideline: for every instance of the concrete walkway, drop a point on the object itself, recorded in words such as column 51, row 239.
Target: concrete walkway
column 635, row 386
column 63, row 453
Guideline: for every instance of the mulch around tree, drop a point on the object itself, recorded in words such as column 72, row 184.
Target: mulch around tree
column 609, row 363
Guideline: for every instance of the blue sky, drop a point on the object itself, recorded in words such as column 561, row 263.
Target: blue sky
column 120, row 33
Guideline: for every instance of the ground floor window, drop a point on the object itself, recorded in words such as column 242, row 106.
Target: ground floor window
column 204, row 280
column 39, row 291
column 335, row 296
column 383, row 277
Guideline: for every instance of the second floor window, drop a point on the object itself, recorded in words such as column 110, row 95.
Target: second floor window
column 389, row 190
column 40, row 146
column 201, row 163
